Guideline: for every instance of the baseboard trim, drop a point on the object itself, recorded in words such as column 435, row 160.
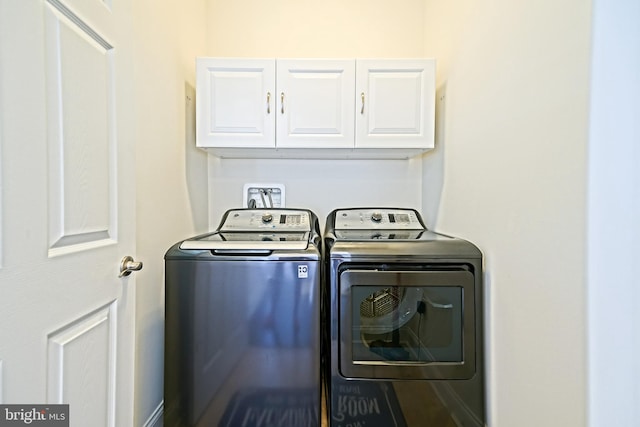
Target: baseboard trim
column 155, row 420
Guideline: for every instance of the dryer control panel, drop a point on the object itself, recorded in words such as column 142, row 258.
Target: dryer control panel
column 378, row 219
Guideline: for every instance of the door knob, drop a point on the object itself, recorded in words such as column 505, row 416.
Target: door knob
column 128, row 265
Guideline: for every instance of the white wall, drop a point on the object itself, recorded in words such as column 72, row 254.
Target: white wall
column 171, row 172
column 614, row 212
column 510, row 175
column 319, row 185
column 315, row 29
column 312, row 29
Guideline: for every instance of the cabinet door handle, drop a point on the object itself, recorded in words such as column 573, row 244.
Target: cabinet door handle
column 362, row 97
column 281, row 102
column 268, row 102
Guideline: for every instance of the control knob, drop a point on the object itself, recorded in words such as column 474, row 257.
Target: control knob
column 376, row 217
column 267, row 218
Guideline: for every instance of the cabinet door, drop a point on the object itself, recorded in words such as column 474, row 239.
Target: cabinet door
column 235, row 102
column 315, row 103
column 395, row 103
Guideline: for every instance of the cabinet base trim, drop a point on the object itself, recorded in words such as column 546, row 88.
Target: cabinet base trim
column 317, row 153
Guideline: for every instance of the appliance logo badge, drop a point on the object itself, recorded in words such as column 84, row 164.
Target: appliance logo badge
column 303, row 271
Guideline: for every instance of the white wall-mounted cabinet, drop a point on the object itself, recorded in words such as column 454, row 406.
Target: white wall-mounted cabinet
column 234, row 103
column 396, row 103
column 315, row 103
column 315, row 108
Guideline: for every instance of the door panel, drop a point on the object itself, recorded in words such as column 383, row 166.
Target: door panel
column 81, row 127
column 91, row 338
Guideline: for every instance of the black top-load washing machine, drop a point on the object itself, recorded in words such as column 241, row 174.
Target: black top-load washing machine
column 242, row 326
column 404, row 312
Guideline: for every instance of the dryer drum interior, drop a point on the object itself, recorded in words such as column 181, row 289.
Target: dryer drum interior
column 384, row 314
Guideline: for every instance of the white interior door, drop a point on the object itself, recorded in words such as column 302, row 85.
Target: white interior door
column 68, row 207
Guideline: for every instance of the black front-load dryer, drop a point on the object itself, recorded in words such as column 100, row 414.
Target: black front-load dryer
column 403, row 308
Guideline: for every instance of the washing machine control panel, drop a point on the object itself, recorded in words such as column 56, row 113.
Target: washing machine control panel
column 272, row 219
column 377, row 219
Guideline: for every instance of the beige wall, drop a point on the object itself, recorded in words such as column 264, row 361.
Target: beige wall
column 171, row 172
column 514, row 82
column 315, row 29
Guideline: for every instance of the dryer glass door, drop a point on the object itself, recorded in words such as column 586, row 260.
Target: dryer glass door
column 407, row 324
